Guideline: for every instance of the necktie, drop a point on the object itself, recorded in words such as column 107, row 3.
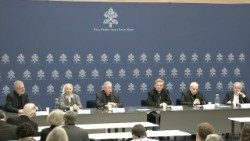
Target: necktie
column 158, row 99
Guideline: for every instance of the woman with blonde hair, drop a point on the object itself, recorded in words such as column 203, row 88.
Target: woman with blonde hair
column 57, row 134
column 55, row 118
column 68, row 99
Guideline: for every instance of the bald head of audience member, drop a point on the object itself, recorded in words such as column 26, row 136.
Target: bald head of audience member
column 70, row 117
column 29, row 110
column 139, row 131
column 245, row 132
column 214, row 137
column 203, row 129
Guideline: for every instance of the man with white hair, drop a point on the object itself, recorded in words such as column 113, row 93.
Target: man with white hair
column 107, row 97
column 236, row 96
column 214, row 137
column 193, row 96
column 29, row 111
column 74, row 132
column 17, row 99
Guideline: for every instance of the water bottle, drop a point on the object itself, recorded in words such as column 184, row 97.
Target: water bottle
column 56, row 103
column 217, row 100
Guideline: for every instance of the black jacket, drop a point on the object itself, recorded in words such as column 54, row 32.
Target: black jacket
column 7, row 131
column 22, row 119
column 155, row 98
column 187, row 98
column 230, row 96
column 102, row 100
column 75, row 133
column 45, row 132
column 12, row 102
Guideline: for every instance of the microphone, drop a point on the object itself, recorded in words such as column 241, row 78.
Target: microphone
column 38, row 107
column 203, row 101
column 171, row 100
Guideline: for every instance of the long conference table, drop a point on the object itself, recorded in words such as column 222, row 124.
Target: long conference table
column 184, row 120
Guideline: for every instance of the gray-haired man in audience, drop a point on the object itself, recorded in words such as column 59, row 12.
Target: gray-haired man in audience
column 74, row 133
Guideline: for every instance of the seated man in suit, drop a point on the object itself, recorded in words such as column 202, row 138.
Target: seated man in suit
column 17, row 99
column 68, row 99
column 74, row 133
column 159, row 96
column 193, row 96
column 139, row 133
column 29, row 111
column 107, row 97
column 236, row 96
column 7, row 131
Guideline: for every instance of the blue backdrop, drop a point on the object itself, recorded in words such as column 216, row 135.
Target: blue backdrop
column 47, row 44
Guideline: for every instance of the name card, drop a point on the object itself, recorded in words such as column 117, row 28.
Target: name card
column 208, row 107
column 42, row 113
column 177, row 108
column 85, row 111
column 245, row 105
column 118, row 110
column 143, row 109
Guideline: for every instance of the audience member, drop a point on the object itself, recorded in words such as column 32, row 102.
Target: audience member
column 7, row 131
column 139, row 133
column 193, row 96
column 57, row 134
column 74, row 133
column 55, row 118
column 204, row 129
column 214, row 137
column 17, row 99
column 245, row 132
column 236, row 96
column 29, row 111
column 68, row 99
column 25, row 132
column 107, row 97
column 159, row 96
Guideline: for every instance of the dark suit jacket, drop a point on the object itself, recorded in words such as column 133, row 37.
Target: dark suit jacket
column 153, row 97
column 187, row 98
column 7, row 131
column 101, row 99
column 12, row 102
column 230, row 96
column 75, row 133
column 45, row 132
column 22, row 119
